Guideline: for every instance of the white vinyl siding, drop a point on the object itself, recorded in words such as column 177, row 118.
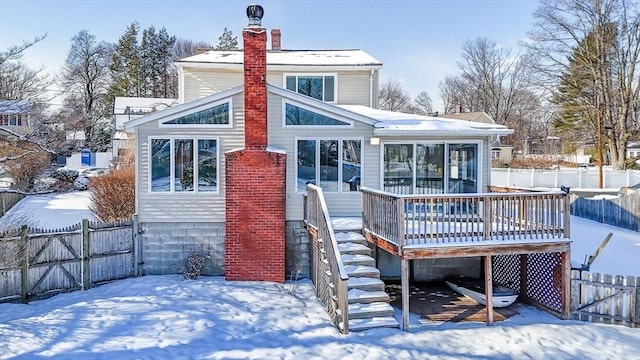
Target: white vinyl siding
column 346, row 203
column 353, row 87
column 187, row 207
column 199, row 83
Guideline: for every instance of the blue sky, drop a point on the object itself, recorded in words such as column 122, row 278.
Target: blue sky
column 418, row 41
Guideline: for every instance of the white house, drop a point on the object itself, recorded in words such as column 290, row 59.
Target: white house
column 228, row 167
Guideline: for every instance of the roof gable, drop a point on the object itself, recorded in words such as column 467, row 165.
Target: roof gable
column 179, row 110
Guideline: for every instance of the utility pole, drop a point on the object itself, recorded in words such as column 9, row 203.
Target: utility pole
column 599, row 126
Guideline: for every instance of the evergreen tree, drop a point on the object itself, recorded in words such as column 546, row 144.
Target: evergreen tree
column 227, row 41
column 126, row 65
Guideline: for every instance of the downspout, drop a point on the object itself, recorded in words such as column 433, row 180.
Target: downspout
column 371, row 89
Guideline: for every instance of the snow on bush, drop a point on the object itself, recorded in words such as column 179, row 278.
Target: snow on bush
column 44, row 184
column 65, row 175
column 81, row 183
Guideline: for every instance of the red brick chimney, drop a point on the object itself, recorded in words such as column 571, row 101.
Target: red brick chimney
column 255, row 80
column 275, row 39
column 255, row 177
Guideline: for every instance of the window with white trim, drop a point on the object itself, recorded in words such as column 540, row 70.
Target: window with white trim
column 183, row 165
column 333, row 164
column 12, row 119
column 431, row 168
column 317, row 86
column 295, row 115
column 219, row 114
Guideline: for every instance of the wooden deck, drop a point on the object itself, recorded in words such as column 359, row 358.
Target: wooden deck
column 524, row 236
column 530, row 229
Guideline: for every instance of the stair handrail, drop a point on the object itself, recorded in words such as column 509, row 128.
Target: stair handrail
column 317, row 216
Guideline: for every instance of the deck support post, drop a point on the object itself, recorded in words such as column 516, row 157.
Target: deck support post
column 524, row 275
column 405, row 293
column 565, row 262
column 488, row 288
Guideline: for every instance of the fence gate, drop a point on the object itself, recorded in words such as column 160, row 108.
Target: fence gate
column 55, row 262
column 605, row 298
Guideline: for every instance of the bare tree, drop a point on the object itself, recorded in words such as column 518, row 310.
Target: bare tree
column 490, row 80
column 15, row 52
column 86, row 78
column 602, row 39
column 184, row 48
column 393, row 97
column 423, row 103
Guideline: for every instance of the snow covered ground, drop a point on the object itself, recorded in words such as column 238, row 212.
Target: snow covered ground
column 165, row 317
column 49, row 211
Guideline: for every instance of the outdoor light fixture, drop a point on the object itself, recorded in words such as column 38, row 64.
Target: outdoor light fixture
column 374, row 141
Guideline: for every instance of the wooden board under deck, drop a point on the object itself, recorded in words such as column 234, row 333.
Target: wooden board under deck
column 479, row 249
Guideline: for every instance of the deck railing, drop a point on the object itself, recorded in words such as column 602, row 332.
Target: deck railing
column 328, row 272
column 430, row 220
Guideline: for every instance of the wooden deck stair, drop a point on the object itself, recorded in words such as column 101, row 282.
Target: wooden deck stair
column 368, row 302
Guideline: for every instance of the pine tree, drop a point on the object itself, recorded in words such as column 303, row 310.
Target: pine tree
column 227, row 41
column 125, row 65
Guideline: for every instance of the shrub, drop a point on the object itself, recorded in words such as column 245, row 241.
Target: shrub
column 81, row 183
column 65, row 175
column 113, row 195
column 24, row 164
column 195, row 262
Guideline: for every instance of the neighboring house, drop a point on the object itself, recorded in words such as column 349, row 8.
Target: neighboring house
column 130, row 108
column 313, row 112
column 499, row 152
column 15, row 115
column 633, row 149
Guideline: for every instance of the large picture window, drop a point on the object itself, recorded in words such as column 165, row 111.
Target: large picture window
column 333, row 164
column 321, row 87
column 183, row 165
column 431, row 168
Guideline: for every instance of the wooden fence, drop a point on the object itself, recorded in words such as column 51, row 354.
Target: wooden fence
column 36, row 263
column 605, row 298
column 623, row 211
column 7, row 200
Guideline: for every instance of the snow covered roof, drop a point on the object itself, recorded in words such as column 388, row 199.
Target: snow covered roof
column 400, row 124
column 477, row 116
column 385, row 123
column 14, row 107
column 135, row 105
column 328, row 58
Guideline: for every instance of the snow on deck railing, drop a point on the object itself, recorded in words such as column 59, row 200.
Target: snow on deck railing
column 435, row 219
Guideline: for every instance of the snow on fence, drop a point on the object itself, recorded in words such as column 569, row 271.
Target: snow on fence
column 605, row 298
column 9, row 199
column 622, row 211
column 36, row 262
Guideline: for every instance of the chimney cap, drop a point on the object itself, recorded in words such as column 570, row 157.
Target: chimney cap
column 255, row 13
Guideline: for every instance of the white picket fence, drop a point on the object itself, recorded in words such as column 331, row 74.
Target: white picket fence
column 573, row 178
column 604, row 298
